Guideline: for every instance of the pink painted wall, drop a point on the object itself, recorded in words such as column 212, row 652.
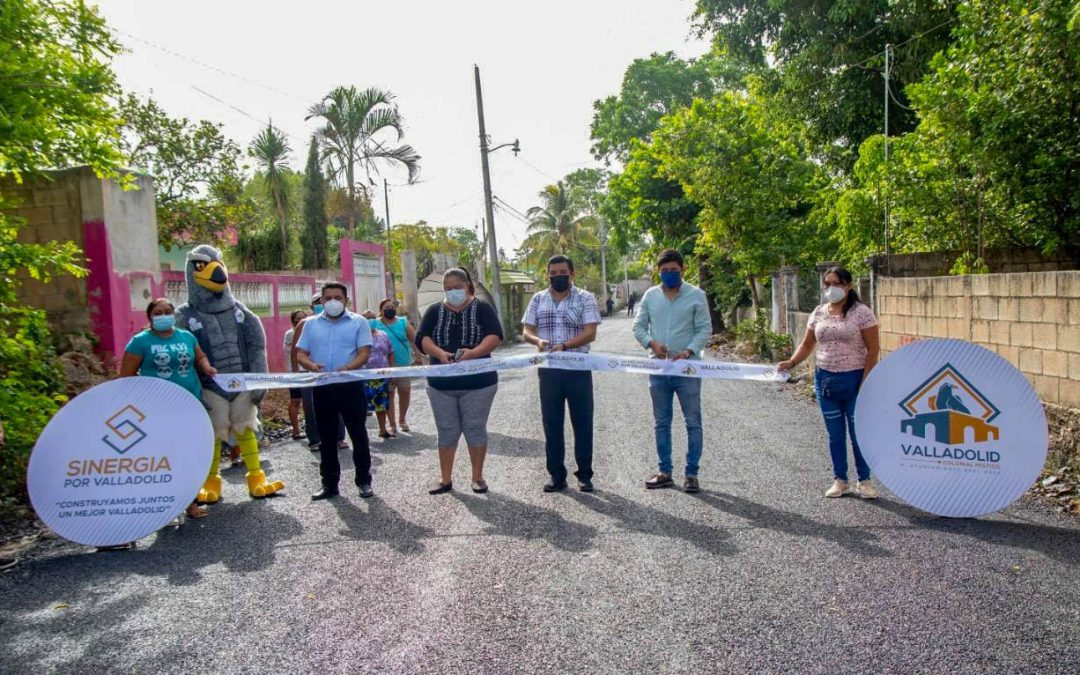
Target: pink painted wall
column 111, row 303
column 109, row 294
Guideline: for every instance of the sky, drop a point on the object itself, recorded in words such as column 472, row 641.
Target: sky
column 542, row 65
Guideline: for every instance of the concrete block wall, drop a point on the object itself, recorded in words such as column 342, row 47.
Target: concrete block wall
column 1032, row 319
column 51, row 210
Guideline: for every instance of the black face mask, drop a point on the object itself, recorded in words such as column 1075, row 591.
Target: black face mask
column 389, row 312
column 560, row 283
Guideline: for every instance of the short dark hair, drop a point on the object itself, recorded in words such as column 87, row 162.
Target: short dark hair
column 560, row 259
column 292, row 316
column 335, row 284
column 157, row 301
column 670, row 255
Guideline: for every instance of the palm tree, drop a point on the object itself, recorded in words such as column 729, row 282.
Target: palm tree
column 353, row 119
column 556, row 226
column 271, row 151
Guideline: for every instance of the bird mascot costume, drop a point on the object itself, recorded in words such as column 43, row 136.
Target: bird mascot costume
column 232, row 338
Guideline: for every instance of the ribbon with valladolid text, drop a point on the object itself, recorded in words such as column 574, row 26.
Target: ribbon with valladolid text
column 597, row 362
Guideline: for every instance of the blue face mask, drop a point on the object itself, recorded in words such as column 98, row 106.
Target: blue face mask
column 318, row 309
column 671, row 278
column 163, row 322
column 457, row 296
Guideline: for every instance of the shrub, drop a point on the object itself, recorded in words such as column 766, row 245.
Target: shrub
column 763, row 342
column 31, row 391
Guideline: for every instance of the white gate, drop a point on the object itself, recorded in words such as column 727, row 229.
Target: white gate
column 369, row 282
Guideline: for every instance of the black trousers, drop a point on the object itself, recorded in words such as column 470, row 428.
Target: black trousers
column 311, row 427
column 559, row 389
column 347, row 400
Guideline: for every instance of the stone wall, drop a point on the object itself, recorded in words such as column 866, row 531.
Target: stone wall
column 1031, row 319
column 51, row 210
column 1002, row 261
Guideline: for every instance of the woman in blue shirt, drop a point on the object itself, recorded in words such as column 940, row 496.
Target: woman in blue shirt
column 170, row 353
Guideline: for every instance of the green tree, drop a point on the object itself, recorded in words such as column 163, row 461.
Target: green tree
column 313, row 242
column 750, row 173
column 994, row 160
column 826, row 59
column 197, row 172
column 354, row 121
column 557, row 225
column 271, row 152
column 55, row 87
column 651, row 88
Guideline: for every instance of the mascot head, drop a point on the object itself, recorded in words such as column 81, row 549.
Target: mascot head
column 207, row 279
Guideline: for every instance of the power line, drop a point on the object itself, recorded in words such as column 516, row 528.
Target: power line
column 538, row 169
column 844, row 68
column 208, row 66
column 893, row 97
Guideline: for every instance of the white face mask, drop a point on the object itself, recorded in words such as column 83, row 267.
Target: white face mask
column 834, row 294
column 334, row 308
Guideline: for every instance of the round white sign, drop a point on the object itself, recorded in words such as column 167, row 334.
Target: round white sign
column 120, row 461
column 951, row 428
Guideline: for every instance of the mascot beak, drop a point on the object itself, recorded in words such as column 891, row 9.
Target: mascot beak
column 212, row 277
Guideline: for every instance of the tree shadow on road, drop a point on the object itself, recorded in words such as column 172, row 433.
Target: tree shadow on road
column 1059, row 543
column 855, row 539
column 407, row 445
column 380, row 523
column 635, row 517
column 514, row 446
column 37, row 644
column 510, row 518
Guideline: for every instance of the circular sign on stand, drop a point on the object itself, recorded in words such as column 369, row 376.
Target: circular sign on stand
column 951, row 428
column 120, row 461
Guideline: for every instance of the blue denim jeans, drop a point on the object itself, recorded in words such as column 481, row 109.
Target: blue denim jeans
column 663, row 389
column 836, row 394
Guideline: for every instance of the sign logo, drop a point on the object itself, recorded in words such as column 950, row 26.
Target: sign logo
column 536, row 360
column 951, row 428
column 124, row 429
column 689, row 371
column 234, row 384
column 948, row 409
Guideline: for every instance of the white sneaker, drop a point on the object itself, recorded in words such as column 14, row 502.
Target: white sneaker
column 865, row 489
column 839, row 489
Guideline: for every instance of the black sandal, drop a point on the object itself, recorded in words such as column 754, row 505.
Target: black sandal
column 479, row 486
column 441, row 488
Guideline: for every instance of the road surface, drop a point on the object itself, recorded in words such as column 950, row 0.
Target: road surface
column 757, row 573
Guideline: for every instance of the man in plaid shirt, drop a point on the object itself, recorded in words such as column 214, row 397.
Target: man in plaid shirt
column 563, row 318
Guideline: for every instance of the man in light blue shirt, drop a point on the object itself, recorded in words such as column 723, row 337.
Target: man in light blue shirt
column 338, row 340
column 673, row 323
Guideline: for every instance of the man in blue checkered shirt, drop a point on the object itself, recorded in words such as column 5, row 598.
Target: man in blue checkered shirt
column 563, row 318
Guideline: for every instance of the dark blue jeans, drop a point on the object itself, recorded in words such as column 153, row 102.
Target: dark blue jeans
column 836, row 394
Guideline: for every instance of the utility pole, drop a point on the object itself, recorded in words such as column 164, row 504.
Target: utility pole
column 390, row 290
column 888, row 247
column 626, row 276
column 603, row 262
column 489, row 211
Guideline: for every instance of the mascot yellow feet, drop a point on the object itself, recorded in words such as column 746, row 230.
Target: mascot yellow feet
column 259, row 487
column 211, row 491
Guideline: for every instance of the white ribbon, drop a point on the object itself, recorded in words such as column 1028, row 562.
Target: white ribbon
column 601, row 363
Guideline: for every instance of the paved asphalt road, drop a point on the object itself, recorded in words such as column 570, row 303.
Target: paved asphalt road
column 756, row 573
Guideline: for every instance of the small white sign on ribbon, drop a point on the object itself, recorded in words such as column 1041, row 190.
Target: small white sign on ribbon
column 951, row 428
column 120, row 461
column 601, row 363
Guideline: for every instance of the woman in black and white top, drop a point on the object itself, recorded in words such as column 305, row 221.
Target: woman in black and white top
column 461, row 328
